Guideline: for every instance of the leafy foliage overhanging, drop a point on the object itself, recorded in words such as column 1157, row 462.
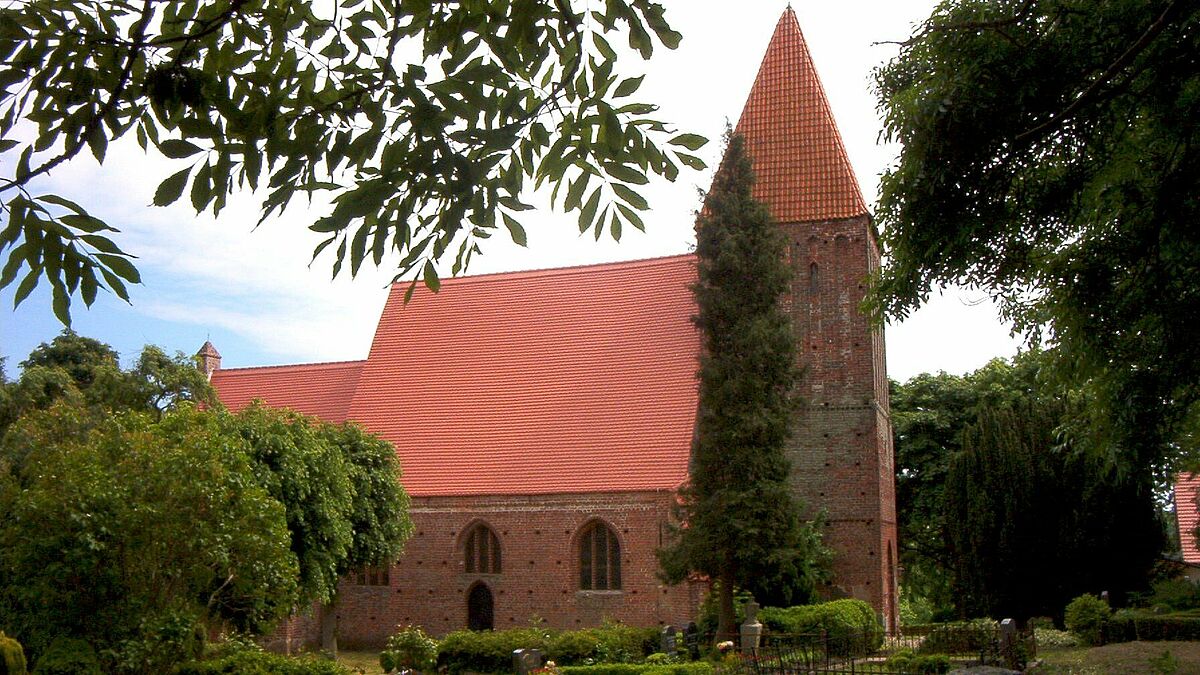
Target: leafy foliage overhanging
column 420, row 122
column 1051, row 157
column 742, row 522
column 128, row 515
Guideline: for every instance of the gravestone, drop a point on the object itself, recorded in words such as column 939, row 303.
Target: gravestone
column 667, row 642
column 526, row 660
column 691, row 639
column 751, row 629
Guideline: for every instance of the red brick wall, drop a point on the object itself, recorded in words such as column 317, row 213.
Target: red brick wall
column 540, row 567
column 841, row 450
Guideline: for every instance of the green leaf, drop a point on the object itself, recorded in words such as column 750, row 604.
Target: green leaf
column 628, row 86
column 63, row 202
column 692, row 142
column 634, row 199
column 587, row 215
column 176, row 148
column 97, row 141
column 430, row 277
column 61, row 302
column 121, row 267
column 515, row 230
column 625, row 173
column 692, row 161
column 171, row 189
column 29, row 283
column 201, row 192
column 8, row 144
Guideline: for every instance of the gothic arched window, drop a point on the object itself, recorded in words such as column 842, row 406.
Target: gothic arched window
column 599, row 558
column 481, row 553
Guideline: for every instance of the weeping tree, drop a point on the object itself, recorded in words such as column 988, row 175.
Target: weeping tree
column 741, row 522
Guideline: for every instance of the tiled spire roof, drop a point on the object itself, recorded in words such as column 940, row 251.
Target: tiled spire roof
column 801, row 168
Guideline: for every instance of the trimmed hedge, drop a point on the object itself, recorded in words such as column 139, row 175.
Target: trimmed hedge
column 1128, row 627
column 905, row 661
column 961, row 637
column 68, row 656
column 850, row 624
column 491, row 651
column 693, row 668
column 251, row 662
column 12, row 656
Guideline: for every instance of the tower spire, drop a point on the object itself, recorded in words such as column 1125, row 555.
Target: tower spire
column 801, row 168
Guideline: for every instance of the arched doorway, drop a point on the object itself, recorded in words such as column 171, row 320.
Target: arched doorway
column 479, row 607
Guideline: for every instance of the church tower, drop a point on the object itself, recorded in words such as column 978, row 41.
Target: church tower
column 841, row 449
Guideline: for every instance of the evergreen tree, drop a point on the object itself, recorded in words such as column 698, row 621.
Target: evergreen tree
column 1030, row 524
column 742, row 525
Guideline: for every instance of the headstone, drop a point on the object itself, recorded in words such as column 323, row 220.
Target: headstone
column 526, row 660
column 751, row 629
column 1009, row 642
column 668, row 640
column 691, row 639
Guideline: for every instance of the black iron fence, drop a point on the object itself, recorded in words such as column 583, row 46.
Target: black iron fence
column 915, row 651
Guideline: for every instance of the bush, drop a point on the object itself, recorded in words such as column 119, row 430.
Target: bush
column 961, row 637
column 693, row 668
column 12, row 656
column 409, row 649
column 1130, row 626
column 491, row 651
column 487, row 651
column 247, row 662
column 1085, row 617
column 908, row 663
column 850, row 624
column 1173, row 594
column 1051, row 638
column 68, row 656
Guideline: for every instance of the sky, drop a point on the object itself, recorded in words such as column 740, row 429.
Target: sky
column 253, row 293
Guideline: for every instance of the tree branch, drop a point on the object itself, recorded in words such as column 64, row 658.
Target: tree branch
column 1123, row 60
column 73, row 147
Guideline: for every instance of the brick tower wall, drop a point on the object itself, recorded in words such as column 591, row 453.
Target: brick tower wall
column 841, row 449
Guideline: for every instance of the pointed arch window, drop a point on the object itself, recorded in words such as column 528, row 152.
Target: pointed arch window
column 481, row 554
column 599, row 559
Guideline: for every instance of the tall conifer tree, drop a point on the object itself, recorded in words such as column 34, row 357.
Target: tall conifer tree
column 742, row 524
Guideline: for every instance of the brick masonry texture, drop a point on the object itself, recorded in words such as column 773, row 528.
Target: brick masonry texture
column 539, row 574
column 841, row 450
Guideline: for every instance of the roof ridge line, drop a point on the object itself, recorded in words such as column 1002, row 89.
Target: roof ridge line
column 566, row 269
column 296, row 365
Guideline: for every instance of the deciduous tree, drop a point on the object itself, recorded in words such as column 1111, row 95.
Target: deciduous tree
column 420, row 123
column 1050, row 156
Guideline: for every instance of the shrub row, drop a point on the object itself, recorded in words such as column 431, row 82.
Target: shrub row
column 1130, row 626
column 960, row 637
column 491, row 651
column 250, row 662
column 905, row 661
column 847, row 622
column 693, row 668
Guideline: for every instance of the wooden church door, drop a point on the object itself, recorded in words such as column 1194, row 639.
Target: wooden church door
column 479, row 607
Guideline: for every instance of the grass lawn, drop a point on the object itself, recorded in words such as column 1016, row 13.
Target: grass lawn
column 362, row 662
column 1125, row 658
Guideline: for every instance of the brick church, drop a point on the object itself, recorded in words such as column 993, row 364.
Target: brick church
column 544, row 419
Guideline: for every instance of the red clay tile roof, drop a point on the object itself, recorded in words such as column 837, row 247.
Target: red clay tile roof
column 320, row 389
column 801, row 167
column 1187, row 514
column 567, row 380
